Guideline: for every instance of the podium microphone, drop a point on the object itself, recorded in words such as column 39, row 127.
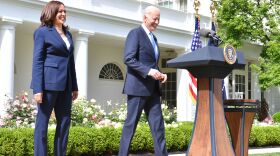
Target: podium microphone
column 207, row 33
column 215, row 39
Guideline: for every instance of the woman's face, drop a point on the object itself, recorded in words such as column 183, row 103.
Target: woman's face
column 60, row 17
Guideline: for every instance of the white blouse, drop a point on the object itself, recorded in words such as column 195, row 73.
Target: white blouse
column 65, row 39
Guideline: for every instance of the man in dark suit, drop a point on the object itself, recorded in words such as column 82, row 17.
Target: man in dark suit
column 142, row 83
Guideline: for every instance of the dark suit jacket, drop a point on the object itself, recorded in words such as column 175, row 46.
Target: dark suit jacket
column 139, row 58
column 53, row 64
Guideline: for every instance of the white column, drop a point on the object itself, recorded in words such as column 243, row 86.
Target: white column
column 7, row 54
column 81, row 61
column 226, row 84
column 185, row 108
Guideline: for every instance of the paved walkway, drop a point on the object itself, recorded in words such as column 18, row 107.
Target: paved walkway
column 251, row 151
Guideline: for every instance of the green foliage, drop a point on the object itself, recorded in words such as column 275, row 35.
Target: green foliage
column 16, row 141
column 181, row 138
column 142, row 139
column 276, row 117
column 20, row 112
column 86, row 112
column 93, row 141
column 84, row 140
column 105, row 141
column 254, row 21
column 264, row 136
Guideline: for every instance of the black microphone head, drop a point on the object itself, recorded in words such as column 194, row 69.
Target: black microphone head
column 207, row 33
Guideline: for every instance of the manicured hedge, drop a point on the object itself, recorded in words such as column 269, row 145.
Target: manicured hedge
column 105, row 141
column 276, row 117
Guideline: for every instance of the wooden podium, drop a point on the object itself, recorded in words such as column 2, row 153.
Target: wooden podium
column 209, row 137
column 240, row 114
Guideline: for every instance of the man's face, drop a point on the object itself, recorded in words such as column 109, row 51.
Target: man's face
column 151, row 20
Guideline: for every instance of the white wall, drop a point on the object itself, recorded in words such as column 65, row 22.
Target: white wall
column 23, row 61
column 99, row 89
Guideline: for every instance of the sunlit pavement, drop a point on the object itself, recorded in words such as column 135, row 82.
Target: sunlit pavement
column 251, row 151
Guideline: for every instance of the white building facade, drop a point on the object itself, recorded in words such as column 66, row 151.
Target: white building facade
column 99, row 29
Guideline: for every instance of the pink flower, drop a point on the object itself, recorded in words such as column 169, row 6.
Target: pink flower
column 93, row 117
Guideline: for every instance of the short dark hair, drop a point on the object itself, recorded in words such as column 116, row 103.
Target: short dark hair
column 49, row 13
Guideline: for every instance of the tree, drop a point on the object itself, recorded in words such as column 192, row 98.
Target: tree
column 256, row 21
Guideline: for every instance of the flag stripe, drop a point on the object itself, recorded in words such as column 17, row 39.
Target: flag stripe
column 194, row 81
column 196, row 43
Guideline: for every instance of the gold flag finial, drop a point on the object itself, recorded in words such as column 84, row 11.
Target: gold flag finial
column 196, row 5
column 213, row 10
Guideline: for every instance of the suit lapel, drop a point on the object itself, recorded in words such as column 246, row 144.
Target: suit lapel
column 70, row 41
column 59, row 38
column 147, row 41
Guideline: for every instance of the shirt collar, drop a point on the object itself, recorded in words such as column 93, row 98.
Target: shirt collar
column 145, row 29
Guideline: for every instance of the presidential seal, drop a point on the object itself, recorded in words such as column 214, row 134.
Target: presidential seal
column 229, row 54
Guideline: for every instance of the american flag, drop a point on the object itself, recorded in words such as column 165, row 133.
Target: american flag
column 196, row 43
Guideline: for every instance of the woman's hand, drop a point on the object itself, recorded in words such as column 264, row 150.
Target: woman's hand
column 38, row 97
column 75, row 95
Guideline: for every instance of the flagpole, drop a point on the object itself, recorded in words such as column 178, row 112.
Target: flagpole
column 213, row 10
column 196, row 5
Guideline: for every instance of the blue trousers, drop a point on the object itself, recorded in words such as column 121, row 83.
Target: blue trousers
column 152, row 108
column 61, row 102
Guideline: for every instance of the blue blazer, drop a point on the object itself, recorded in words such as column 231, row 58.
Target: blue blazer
column 139, row 58
column 53, row 64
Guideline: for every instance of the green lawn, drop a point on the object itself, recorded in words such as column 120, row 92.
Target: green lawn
column 268, row 154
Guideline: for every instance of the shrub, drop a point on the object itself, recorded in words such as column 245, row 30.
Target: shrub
column 105, row 141
column 264, row 136
column 16, row 141
column 86, row 113
column 21, row 112
column 276, row 117
column 89, row 141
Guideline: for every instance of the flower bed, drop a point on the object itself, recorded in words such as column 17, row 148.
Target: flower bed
column 21, row 112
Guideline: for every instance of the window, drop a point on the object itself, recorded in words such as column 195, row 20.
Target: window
column 164, row 62
column 249, row 80
column 166, row 3
column 111, row 71
column 237, row 85
column 183, row 5
column 169, row 90
column 173, row 4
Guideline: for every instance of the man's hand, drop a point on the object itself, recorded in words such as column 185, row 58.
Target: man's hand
column 38, row 97
column 155, row 74
column 74, row 95
column 163, row 78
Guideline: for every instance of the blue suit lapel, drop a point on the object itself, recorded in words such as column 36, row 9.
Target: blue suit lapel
column 147, row 41
column 60, row 40
column 70, row 41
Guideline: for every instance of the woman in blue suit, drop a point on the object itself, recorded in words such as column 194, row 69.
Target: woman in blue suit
column 54, row 81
